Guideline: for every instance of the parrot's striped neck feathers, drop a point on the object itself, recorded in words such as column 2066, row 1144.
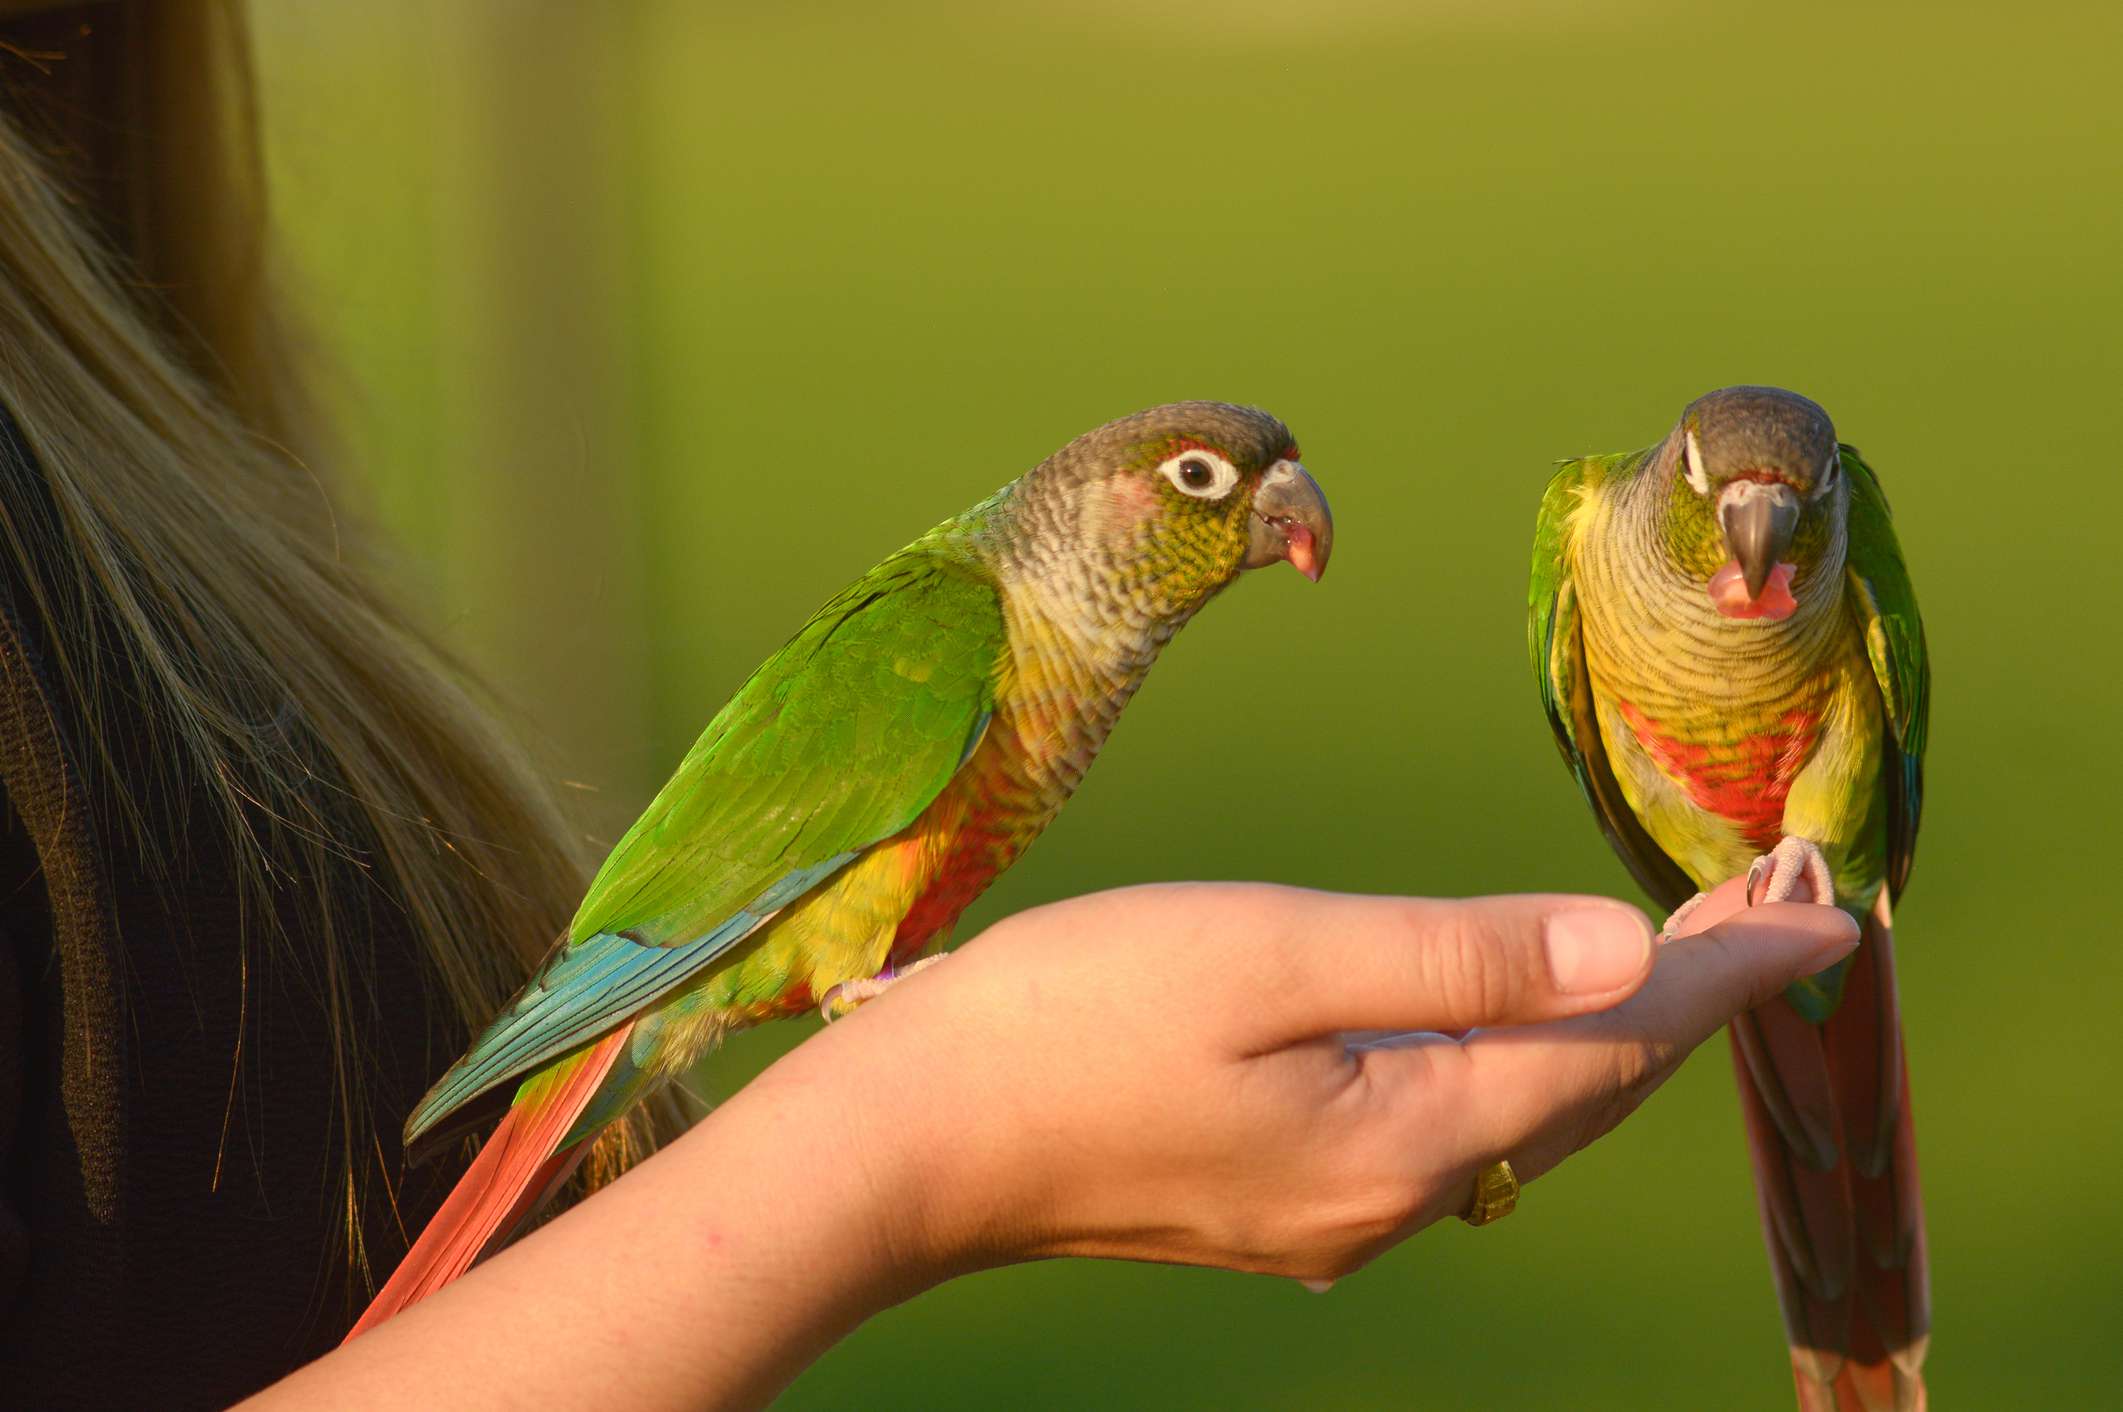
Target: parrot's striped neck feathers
column 1107, row 620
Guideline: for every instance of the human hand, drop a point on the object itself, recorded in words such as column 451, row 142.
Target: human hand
column 1160, row 1073
column 1156, row 1074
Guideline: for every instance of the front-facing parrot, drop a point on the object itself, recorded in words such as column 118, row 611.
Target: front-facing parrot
column 862, row 788
column 1730, row 656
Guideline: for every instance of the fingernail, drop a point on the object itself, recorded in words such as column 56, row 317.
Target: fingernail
column 1842, row 946
column 1317, row 1286
column 1595, row 949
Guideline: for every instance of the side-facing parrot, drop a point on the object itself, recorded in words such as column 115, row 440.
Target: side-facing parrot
column 1729, row 652
column 862, row 788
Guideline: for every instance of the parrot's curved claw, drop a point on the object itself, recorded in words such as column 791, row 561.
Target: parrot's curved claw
column 1775, row 876
column 841, row 1001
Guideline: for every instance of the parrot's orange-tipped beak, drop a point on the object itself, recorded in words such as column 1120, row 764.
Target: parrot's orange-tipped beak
column 1757, row 519
column 1291, row 521
column 1300, row 548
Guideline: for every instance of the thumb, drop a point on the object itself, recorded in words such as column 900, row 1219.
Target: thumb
column 1390, row 963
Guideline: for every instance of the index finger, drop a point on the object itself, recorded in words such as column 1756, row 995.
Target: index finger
column 1727, row 899
column 1517, row 1083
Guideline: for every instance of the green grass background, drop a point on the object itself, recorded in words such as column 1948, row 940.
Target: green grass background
column 654, row 324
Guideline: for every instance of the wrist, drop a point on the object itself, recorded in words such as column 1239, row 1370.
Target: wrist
column 835, row 1161
column 908, row 1145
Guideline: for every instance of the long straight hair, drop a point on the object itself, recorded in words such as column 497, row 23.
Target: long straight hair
column 190, row 576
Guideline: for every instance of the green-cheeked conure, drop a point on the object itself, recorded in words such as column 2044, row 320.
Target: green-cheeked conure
column 1730, row 655
column 863, row 787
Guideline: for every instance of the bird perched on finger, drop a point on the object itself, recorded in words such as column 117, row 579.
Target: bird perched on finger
column 866, row 783
column 1729, row 651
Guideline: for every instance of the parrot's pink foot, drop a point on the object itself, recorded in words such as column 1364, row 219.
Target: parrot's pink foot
column 1680, row 914
column 1776, row 875
column 841, row 1000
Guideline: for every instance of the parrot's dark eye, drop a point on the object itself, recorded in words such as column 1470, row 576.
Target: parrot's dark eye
column 1201, row 474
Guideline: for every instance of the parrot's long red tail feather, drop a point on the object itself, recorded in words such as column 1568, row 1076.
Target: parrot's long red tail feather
column 1843, row 1217
column 518, row 1168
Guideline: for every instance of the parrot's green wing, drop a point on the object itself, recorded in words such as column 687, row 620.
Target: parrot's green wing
column 838, row 742
column 1886, row 607
column 1559, row 669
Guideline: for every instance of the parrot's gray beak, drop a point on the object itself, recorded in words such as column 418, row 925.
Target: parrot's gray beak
column 1758, row 519
column 1291, row 521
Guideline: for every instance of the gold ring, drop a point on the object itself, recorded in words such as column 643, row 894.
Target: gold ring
column 1496, row 1195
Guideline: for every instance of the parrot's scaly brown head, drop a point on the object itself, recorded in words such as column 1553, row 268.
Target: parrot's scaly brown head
column 1756, row 496
column 1171, row 504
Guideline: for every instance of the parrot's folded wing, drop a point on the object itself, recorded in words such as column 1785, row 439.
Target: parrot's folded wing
column 584, row 990
column 1557, row 650
column 1886, row 606
column 837, row 742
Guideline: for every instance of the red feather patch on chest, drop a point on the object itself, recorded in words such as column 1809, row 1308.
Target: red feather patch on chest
column 1745, row 780
column 977, row 846
column 939, row 907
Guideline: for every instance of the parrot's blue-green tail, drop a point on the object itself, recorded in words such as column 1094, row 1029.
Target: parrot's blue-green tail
column 521, row 1165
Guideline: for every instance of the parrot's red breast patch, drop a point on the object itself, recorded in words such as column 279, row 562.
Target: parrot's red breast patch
column 1745, row 780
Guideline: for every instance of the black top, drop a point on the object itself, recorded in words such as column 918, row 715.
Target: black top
column 172, row 1203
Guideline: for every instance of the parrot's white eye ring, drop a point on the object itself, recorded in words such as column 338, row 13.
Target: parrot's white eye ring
column 1199, row 473
column 1697, row 476
column 1829, row 472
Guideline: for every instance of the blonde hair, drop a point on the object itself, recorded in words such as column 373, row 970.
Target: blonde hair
column 192, row 581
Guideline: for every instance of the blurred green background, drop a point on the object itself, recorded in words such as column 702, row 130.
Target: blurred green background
column 654, row 324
